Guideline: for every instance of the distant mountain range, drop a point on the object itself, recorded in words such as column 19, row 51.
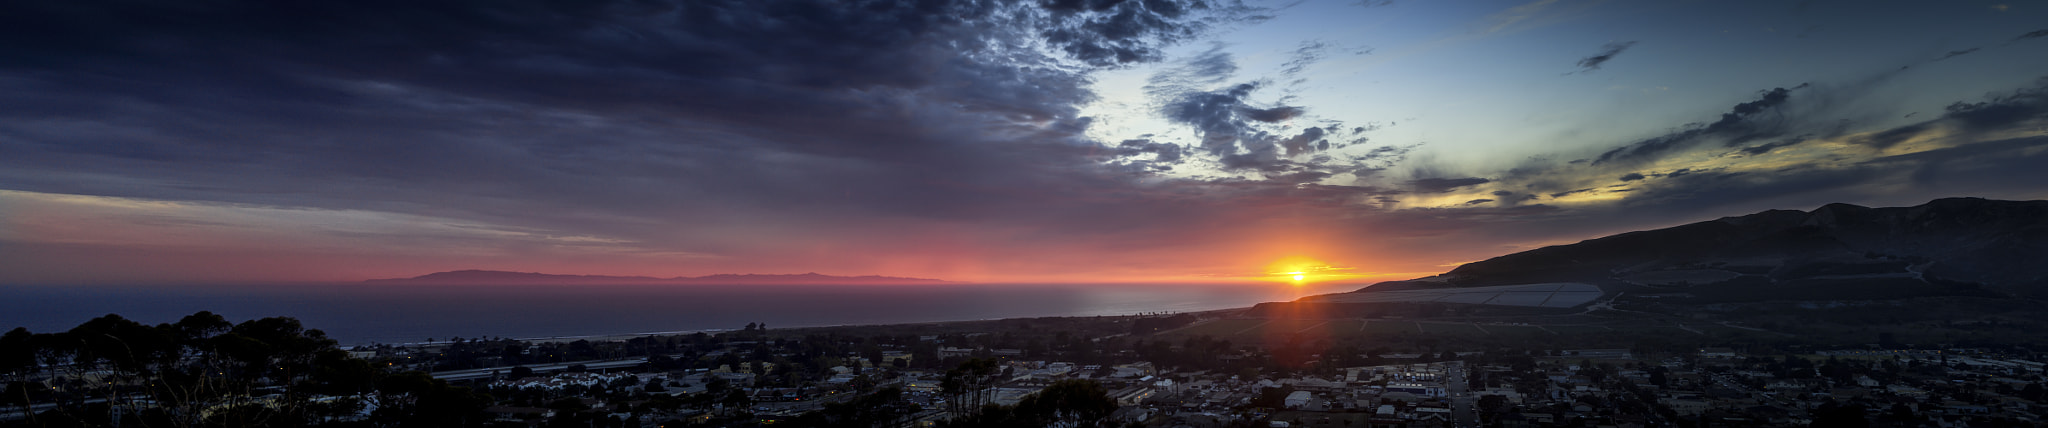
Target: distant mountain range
column 492, row 277
column 1947, row 247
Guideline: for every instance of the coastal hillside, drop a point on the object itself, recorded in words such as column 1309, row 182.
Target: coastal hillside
column 1952, row 246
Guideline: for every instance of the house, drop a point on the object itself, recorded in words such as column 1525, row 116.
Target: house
column 1139, row 369
column 890, row 357
column 1509, row 393
column 1297, row 399
column 1131, row 396
column 950, row 352
column 506, row 413
column 1598, row 353
column 1318, row 385
column 1417, row 388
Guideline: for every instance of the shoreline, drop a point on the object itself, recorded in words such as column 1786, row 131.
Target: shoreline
column 620, row 337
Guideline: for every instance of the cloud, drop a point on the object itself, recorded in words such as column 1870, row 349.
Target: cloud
column 1164, row 155
column 2032, row 35
column 1209, row 68
column 700, row 127
column 2002, row 112
column 1768, row 147
column 1308, row 54
column 1440, row 185
column 1237, row 135
column 1748, row 121
column 1275, row 114
column 1608, row 52
column 932, row 138
column 1957, row 53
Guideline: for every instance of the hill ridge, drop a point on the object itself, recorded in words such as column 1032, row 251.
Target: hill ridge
column 1948, row 245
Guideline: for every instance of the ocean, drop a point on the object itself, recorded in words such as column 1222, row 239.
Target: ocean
column 357, row 314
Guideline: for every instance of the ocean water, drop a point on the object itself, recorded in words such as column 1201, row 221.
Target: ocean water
column 363, row 313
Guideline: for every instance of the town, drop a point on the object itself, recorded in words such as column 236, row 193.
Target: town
column 1130, row 371
column 752, row 376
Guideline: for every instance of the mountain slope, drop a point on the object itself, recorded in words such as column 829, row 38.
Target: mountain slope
column 1965, row 246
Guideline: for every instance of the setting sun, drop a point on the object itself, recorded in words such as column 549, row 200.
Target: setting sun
column 1299, row 270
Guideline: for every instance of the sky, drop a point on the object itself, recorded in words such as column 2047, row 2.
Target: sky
column 147, row 142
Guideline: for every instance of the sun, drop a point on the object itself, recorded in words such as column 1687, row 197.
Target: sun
column 1303, row 270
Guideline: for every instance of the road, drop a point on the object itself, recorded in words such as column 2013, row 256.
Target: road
column 487, row 373
column 1462, row 402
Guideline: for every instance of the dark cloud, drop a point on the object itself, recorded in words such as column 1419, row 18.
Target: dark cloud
column 1240, row 135
column 2032, row 35
column 1509, row 197
column 1308, row 54
column 1894, row 136
column 1608, row 52
column 1108, row 33
column 1214, row 117
column 1209, row 68
column 1748, row 121
column 2001, row 112
column 1953, row 54
column 1310, row 140
column 1765, row 148
column 608, row 118
column 2010, row 163
column 1232, row 133
column 1165, row 155
column 1570, row 192
column 1275, row 114
column 1631, row 177
column 1440, row 185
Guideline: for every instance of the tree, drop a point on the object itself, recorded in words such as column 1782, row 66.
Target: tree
column 1842, row 416
column 1271, row 397
column 966, row 382
column 205, row 371
column 17, row 360
column 1074, row 403
column 1067, row 403
column 419, row 400
column 1493, row 403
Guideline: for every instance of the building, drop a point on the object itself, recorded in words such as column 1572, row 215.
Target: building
column 1131, row 396
column 1298, row 399
column 1598, row 353
column 1416, row 388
